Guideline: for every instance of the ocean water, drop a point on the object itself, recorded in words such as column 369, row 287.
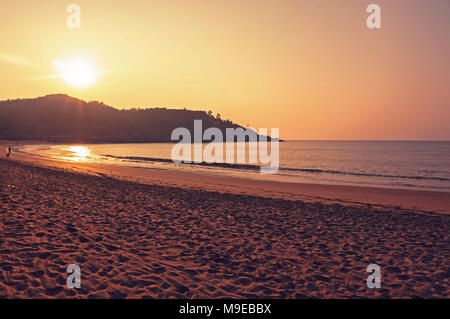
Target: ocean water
column 423, row 165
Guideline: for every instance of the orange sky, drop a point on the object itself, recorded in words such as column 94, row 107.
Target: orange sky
column 311, row 68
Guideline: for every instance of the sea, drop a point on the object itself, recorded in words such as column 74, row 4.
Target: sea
column 419, row 165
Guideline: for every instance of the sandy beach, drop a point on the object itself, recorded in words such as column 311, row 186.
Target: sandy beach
column 136, row 240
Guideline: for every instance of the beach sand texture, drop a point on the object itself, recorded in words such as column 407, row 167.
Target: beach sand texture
column 149, row 241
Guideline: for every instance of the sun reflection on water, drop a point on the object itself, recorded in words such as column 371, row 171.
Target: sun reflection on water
column 77, row 154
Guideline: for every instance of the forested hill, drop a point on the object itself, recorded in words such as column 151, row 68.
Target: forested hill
column 63, row 118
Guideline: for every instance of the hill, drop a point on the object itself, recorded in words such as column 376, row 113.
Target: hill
column 62, row 118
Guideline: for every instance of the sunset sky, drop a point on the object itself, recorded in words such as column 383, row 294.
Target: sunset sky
column 311, row 68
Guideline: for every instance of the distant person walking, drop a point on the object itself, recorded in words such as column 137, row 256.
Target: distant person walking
column 9, row 151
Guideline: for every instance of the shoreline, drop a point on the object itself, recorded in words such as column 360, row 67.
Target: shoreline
column 387, row 198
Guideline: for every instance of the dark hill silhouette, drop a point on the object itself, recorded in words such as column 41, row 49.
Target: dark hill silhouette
column 62, row 118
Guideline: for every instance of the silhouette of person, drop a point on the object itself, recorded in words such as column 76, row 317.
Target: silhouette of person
column 9, row 151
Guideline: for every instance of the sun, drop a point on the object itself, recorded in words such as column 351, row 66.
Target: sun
column 76, row 72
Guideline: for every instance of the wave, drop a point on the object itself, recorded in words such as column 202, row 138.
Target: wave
column 165, row 160
column 258, row 167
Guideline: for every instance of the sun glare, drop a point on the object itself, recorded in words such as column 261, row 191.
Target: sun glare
column 77, row 72
column 77, row 154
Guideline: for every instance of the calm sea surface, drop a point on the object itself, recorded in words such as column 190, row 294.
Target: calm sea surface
column 394, row 164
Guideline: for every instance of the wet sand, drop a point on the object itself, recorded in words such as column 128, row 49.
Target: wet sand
column 135, row 240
